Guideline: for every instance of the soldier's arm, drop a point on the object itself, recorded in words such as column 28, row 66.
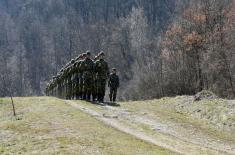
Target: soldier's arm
column 93, row 67
column 81, row 67
column 96, row 67
column 78, row 67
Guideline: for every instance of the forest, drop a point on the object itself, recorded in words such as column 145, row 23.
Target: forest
column 159, row 47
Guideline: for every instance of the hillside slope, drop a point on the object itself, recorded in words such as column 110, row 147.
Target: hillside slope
column 164, row 126
column 48, row 126
column 178, row 123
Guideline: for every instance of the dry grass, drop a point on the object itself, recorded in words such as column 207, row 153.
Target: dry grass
column 215, row 117
column 48, row 126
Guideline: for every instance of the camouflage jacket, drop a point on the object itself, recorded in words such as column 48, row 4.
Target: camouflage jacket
column 101, row 69
column 87, row 68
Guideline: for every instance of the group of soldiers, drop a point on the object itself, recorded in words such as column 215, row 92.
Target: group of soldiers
column 84, row 78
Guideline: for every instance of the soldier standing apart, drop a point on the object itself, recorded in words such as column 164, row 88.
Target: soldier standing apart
column 102, row 73
column 87, row 68
column 113, row 84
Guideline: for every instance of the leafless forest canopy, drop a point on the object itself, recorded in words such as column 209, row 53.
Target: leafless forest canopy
column 160, row 47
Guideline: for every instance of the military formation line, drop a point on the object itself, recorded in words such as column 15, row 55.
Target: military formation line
column 84, row 78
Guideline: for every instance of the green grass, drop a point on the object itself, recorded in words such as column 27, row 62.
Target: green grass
column 48, row 126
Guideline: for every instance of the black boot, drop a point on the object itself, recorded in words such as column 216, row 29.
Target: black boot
column 114, row 98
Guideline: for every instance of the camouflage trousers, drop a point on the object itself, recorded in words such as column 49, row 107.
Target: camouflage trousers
column 69, row 92
column 80, row 87
column 88, row 84
column 101, row 84
column 94, row 90
column 76, row 89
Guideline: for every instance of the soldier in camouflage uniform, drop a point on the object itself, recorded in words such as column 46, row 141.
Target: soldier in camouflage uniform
column 67, row 83
column 102, row 73
column 87, row 68
column 70, row 79
column 79, row 81
column 76, row 76
column 54, row 86
column 73, row 79
column 62, row 80
column 47, row 90
column 80, row 76
column 94, row 90
column 113, row 85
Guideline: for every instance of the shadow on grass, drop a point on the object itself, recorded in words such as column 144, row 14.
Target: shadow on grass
column 113, row 104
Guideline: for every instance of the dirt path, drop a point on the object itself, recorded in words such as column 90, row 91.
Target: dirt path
column 161, row 134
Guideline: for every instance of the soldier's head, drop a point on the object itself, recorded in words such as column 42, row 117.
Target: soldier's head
column 88, row 54
column 83, row 56
column 66, row 65
column 101, row 55
column 114, row 70
column 77, row 58
column 80, row 56
column 72, row 61
column 96, row 57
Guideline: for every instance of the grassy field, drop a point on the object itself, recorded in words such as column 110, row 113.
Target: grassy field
column 198, row 127
column 215, row 117
column 48, row 126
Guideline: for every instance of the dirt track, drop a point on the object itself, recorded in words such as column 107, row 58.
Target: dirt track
column 182, row 140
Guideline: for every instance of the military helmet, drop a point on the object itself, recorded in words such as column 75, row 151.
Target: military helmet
column 88, row 53
column 77, row 58
column 80, row 56
column 101, row 53
column 95, row 58
column 72, row 61
column 83, row 55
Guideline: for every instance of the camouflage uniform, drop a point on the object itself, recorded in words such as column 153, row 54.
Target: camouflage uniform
column 113, row 84
column 70, row 83
column 58, row 81
column 94, row 90
column 78, row 76
column 67, row 83
column 102, row 72
column 87, row 68
column 47, row 90
column 54, row 91
column 63, row 86
column 74, row 80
